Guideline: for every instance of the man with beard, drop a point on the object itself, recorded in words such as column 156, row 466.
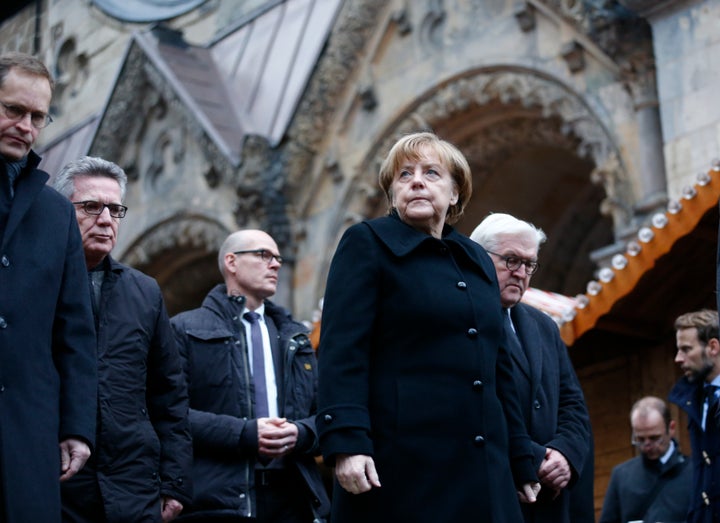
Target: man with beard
column 698, row 354
column 655, row 484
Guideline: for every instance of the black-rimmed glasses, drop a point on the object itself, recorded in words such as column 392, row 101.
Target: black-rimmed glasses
column 513, row 263
column 96, row 208
column 264, row 254
column 17, row 113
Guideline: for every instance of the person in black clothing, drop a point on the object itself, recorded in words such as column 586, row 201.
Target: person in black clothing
column 655, row 485
column 698, row 355
column 47, row 341
column 252, row 377
column 141, row 468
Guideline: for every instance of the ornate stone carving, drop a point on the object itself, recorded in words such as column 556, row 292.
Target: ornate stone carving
column 574, row 56
column 565, row 115
column 525, row 16
column 182, row 232
column 356, row 22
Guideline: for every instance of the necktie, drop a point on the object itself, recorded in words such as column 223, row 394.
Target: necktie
column 514, row 346
column 709, row 392
column 261, row 402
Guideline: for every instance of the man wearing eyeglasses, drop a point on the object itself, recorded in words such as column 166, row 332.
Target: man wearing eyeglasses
column 141, row 468
column 698, row 355
column 655, row 485
column 47, row 341
column 550, row 395
column 252, row 377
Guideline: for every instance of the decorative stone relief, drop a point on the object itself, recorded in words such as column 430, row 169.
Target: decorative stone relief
column 552, row 101
column 525, row 16
column 182, row 232
column 574, row 56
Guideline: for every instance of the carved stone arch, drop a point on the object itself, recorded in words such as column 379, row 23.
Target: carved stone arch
column 503, row 91
column 181, row 254
column 489, row 114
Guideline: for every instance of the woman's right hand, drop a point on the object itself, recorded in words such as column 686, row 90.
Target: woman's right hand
column 356, row 473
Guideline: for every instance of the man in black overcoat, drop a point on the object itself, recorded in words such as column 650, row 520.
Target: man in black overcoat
column 47, row 340
column 552, row 401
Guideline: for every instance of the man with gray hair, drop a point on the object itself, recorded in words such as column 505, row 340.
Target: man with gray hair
column 141, row 468
column 551, row 399
column 252, row 377
column 654, row 486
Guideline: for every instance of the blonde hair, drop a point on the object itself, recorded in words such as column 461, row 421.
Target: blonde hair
column 410, row 147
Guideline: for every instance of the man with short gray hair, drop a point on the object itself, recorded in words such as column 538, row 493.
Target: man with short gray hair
column 141, row 468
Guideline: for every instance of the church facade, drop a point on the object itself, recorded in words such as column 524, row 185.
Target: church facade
column 588, row 118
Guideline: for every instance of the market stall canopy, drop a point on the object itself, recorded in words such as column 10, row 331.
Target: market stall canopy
column 667, row 270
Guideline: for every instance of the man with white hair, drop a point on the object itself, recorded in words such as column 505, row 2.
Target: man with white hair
column 550, row 395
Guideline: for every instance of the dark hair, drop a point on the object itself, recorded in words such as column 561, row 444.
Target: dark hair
column 25, row 62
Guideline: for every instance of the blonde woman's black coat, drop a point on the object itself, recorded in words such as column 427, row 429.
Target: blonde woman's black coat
column 413, row 373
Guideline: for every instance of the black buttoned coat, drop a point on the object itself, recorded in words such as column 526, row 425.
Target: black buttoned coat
column 412, row 372
column 47, row 347
column 554, row 411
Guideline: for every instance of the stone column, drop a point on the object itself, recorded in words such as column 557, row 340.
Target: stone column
column 652, row 188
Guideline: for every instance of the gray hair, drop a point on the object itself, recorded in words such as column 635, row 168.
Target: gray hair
column 88, row 166
column 496, row 224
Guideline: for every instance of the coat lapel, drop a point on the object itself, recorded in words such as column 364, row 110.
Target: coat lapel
column 529, row 335
column 28, row 187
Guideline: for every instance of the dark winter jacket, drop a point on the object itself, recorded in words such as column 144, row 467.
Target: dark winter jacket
column 413, row 373
column 47, row 345
column 705, row 495
column 213, row 347
column 144, row 448
column 632, row 483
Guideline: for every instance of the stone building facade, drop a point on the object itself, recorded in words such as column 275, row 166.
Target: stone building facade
column 584, row 117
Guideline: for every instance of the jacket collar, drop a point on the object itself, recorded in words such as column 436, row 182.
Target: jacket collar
column 402, row 239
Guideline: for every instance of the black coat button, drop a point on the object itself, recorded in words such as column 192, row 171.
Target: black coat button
column 327, row 418
column 5, row 261
column 3, row 323
column 479, row 441
column 472, row 333
column 477, row 385
column 536, row 404
column 461, row 285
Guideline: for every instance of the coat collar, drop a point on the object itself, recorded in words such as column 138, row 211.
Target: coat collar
column 29, row 183
column 402, row 239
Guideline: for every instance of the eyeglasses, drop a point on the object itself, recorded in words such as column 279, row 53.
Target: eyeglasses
column 513, row 263
column 94, row 208
column 264, row 254
column 649, row 440
column 17, row 112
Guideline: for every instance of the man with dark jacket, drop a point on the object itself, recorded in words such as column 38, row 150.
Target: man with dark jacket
column 141, row 468
column 47, row 343
column 698, row 354
column 552, row 401
column 655, row 485
column 252, row 378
